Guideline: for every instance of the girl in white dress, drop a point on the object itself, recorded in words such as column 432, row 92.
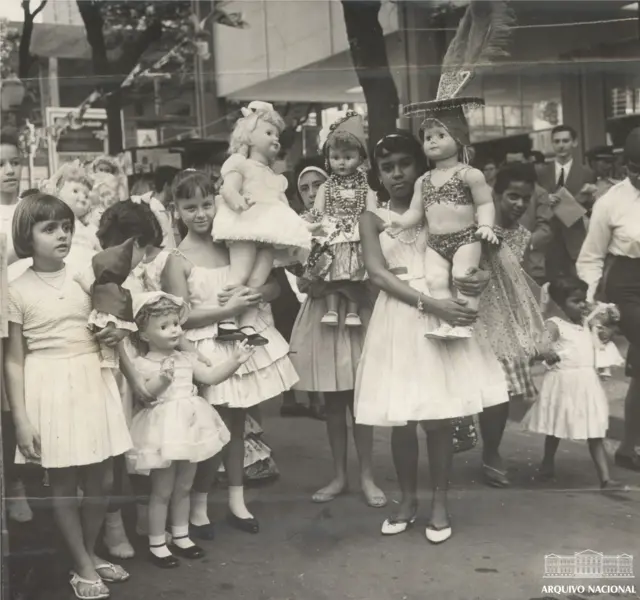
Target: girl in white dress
column 200, row 273
column 74, row 425
column 572, row 404
column 254, row 217
column 180, row 429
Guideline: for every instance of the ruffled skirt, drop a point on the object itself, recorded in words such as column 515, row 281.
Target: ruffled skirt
column 187, row 429
column 75, row 407
column 405, row 377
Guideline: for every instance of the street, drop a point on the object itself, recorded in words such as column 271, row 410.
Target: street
column 307, row 551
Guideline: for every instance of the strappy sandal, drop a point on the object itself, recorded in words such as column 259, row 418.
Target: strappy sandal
column 253, row 338
column 116, row 574
column 97, row 586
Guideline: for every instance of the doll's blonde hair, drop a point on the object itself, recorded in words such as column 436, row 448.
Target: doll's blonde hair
column 240, row 142
column 115, row 168
column 104, row 180
column 71, row 171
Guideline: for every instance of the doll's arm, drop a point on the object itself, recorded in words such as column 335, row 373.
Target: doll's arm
column 319, row 203
column 221, row 372
column 231, row 192
column 415, row 214
column 134, row 379
column 483, row 200
column 372, row 200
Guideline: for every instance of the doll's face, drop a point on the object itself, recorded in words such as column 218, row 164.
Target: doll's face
column 265, row 139
column 76, row 195
column 163, row 332
column 344, row 161
column 104, row 167
column 107, row 195
column 438, row 143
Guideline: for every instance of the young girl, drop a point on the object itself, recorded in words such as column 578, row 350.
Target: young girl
column 337, row 257
column 180, row 429
column 572, row 403
column 72, row 185
column 200, row 273
column 254, row 218
column 455, row 200
column 74, row 424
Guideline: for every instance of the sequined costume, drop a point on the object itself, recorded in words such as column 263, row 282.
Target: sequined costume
column 456, row 193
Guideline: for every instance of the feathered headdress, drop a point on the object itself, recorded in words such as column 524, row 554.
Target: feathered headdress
column 481, row 37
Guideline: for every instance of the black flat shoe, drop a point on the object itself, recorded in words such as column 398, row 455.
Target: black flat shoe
column 247, row 525
column 167, row 562
column 228, row 332
column 253, row 338
column 190, row 553
column 202, row 532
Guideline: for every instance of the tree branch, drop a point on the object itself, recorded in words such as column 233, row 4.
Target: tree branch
column 94, row 25
column 26, row 59
column 131, row 56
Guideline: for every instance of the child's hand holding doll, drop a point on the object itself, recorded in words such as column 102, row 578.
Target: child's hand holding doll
column 243, row 352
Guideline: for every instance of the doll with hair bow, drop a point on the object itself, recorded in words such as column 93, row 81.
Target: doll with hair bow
column 253, row 216
column 160, row 213
column 602, row 320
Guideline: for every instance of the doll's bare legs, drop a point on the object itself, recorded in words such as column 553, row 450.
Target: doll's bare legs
column 438, row 277
column 466, row 259
column 353, row 318
column 331, row 316
column 242, row 260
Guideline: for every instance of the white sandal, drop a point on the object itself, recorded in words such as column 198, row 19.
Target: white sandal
column 98, row 585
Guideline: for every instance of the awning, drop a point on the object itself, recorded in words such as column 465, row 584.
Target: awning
column 57, row 41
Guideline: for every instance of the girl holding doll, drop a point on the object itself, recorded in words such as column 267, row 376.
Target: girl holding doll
column 180, row 429
column 336, row 256
column 200, row 273
column 75, row 425
column 253, row 217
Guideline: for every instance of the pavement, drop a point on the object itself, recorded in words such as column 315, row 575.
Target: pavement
column 334, row 551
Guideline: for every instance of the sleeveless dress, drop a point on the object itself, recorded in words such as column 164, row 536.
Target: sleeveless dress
column 572, row 403
column 78, row 412
column 270, row 220
column 181, row 426
column 404, row 376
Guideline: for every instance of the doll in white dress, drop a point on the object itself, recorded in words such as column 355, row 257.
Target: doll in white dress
column 253, row 215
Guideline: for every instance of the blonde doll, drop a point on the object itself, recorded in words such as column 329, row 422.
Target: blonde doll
column 336, row 255
column 253, row 216
column 105, row 193
column 108, row 165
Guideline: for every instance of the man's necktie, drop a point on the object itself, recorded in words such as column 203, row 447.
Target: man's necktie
column 561, row 178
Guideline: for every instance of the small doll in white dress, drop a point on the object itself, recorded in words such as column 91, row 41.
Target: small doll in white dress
column 253, row 215
column 572, row 403
column 178, row 430
column 336, row 254
column 602, row 320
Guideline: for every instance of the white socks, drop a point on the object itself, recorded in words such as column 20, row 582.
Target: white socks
column 236, row 502
column 198, row 515
column 181, row 537
column 115, row 537
column 158, row 546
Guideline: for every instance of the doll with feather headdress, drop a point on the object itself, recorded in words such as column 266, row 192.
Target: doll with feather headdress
column 457, row 203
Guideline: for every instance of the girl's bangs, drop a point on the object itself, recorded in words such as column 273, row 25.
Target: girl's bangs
column 191, row 184
column 50, row 208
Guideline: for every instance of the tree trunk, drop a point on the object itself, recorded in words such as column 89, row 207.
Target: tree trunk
column 114, row 122
column 369, row 55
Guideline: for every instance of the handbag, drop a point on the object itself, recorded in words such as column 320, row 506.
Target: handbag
column 465, row 434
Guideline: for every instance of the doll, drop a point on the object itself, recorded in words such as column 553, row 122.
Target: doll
column 105, row 193
column 109, row 165
column 253, row 216
column 601, row 320
column 336, row 255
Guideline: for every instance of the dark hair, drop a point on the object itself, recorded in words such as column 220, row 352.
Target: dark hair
column 127, row 219
column 538, row 157
column 397, row 141
column 9, row 137
column 29, row 192
column 562, row 129
column 561, row 288
column 523, row 172
column 163, row 176
column 187, row 183
column 33, row 209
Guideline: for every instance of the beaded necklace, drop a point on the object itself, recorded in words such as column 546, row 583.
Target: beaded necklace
column 395, row 235
column 338, row 206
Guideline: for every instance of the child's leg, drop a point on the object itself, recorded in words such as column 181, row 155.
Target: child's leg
column 64, row 491
column 18, row 508
column 440, row 452
column 547, row 468
column 162, row 482
column 331, row 316
column 405, row 452
column 335, row 407
column 233, row 456
column 467, row 257
column 141, row 485
column 599, row 456
column 363, row 438
column 205, row 477
column 115, row 537
column 185, row 474
column 242, row 259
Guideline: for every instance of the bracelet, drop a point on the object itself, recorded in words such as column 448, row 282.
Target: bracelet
column 420, row 303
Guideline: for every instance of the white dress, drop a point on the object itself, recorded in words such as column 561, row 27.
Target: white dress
column 572, row 403
column 268, row 373
column 70, row 401
column 403, row 376
column 182, row 426
column 270, row 220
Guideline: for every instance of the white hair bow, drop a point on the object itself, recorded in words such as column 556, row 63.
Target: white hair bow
column 146, row 198
column 256, row 106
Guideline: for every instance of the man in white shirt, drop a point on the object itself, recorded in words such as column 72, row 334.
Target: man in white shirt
column 566, row 172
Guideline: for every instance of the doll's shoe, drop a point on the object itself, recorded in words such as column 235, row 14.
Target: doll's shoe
column 352, row 320
column 441, row 333
column 461, row 333
column 253, row 338
column 228, row 332
column 330, row 318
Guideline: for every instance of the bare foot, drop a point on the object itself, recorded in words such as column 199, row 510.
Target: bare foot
column 328, row 493
column 373, row 495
